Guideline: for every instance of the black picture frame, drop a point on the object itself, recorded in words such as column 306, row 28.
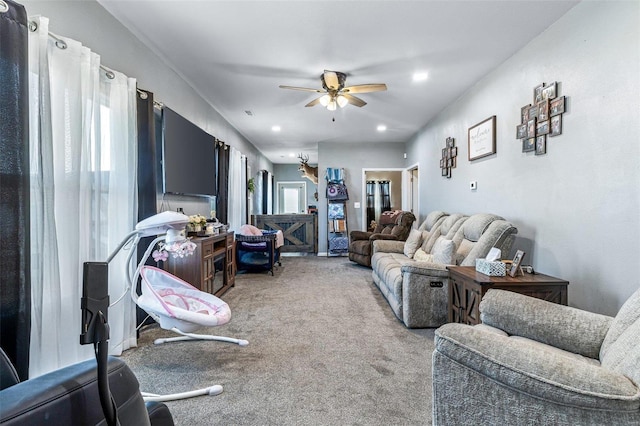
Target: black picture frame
column 531, row 128
column 537, row 93
column 528, row 144
column 556, row 106
column 543, row 110
column 521, row 131
column 542, row 128
column 549, row 91
column 524, row 114
column 541, row 145
column 555, row 125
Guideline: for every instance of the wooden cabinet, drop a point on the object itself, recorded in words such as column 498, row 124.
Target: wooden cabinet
column 467, row 287
column 211, row 268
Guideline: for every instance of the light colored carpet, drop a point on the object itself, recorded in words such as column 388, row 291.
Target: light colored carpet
column 324, row 349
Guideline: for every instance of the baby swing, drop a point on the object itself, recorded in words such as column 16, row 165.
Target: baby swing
column 173, row 303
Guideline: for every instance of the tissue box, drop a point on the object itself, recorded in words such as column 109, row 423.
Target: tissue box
column 493, row 269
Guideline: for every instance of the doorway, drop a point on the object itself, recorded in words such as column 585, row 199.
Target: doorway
column 413, row 191
column 382, row 190
column 292, row 197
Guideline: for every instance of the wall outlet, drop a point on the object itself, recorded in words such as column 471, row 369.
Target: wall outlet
column 473, row 185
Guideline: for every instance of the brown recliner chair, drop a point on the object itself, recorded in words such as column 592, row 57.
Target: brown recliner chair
column 361, row 242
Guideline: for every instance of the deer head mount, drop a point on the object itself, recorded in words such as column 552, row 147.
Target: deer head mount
column 308, row 172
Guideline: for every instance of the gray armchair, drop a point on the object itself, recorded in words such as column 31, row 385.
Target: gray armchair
column 537, row 363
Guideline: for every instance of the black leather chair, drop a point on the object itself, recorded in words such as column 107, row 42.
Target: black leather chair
column 69, row 396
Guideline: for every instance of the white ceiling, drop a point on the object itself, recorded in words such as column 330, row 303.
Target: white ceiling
column 237, row 53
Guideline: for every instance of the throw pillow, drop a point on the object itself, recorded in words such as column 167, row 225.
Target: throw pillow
column 422, row 256
column 443, row 251
column 413, row 242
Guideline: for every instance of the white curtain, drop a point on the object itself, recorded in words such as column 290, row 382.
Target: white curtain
column 237, row 189
column 83, row 192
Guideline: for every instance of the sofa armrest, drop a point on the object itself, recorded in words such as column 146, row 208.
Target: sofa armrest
column 561, row 326
column 427, row 269
column 534, row 370
column 359, row 235
column 388, row 246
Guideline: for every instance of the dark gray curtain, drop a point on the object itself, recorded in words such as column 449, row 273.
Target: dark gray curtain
column 222, row 205
column 147, row 174
column 371, row 202
column 385, row 196
column 15, row 284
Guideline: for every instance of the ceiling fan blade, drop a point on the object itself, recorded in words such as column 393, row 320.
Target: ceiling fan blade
column 331, row 80
column 304, row 89
column 365, row 88
column 313, row 102
column 354, row 101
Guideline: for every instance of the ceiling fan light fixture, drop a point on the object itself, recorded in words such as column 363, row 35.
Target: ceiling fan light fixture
column 325, row 100
column 342, row 101
column 333, row 105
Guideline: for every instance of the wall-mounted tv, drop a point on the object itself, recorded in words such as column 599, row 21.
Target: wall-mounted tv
column 188, row 157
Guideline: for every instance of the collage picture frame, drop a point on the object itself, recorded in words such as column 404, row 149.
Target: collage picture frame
column 541, row 119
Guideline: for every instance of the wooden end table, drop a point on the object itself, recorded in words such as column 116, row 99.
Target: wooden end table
column 467, row 287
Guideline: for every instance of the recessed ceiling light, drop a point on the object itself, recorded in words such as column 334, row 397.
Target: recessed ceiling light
column 381, row 128
column 291, row 154
column 275, row 128
column 420, row 76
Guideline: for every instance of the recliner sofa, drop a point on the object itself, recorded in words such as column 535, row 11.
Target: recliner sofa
column 417, row 291
column 538, row 363
column 361, row 242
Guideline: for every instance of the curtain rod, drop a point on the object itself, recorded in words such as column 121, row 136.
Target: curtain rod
column 61, row 44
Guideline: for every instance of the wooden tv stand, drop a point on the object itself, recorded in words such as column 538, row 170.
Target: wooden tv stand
column 199, row 269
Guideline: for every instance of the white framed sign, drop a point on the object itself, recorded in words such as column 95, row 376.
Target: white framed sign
column 482, row 139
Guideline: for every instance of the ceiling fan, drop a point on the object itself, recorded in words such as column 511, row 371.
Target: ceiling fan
column 335, row 93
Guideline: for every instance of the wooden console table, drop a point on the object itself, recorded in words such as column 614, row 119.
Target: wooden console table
column 467, row 287
column 199, row 269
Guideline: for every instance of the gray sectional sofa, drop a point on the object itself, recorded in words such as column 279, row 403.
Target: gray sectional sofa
column 417, row 291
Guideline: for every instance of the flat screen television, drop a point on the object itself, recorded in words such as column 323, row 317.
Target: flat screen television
column 188, row 157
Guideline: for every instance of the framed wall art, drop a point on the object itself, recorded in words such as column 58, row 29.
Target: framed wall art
column 482, row 139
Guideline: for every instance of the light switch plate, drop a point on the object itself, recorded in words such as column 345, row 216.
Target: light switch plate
column 473, row 185
column 356, row 205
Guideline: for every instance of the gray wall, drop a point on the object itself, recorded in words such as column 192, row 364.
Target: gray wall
column 577, row 207
column 353, row 158
column 89, row 23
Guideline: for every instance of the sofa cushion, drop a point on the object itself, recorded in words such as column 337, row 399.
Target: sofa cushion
column 619, row 348
column 443, row 251
column 432, row 220
column 475, row 226
column 422, row 256
column 413, row 243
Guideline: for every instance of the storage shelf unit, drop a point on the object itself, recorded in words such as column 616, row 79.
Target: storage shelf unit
column 337, row 230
